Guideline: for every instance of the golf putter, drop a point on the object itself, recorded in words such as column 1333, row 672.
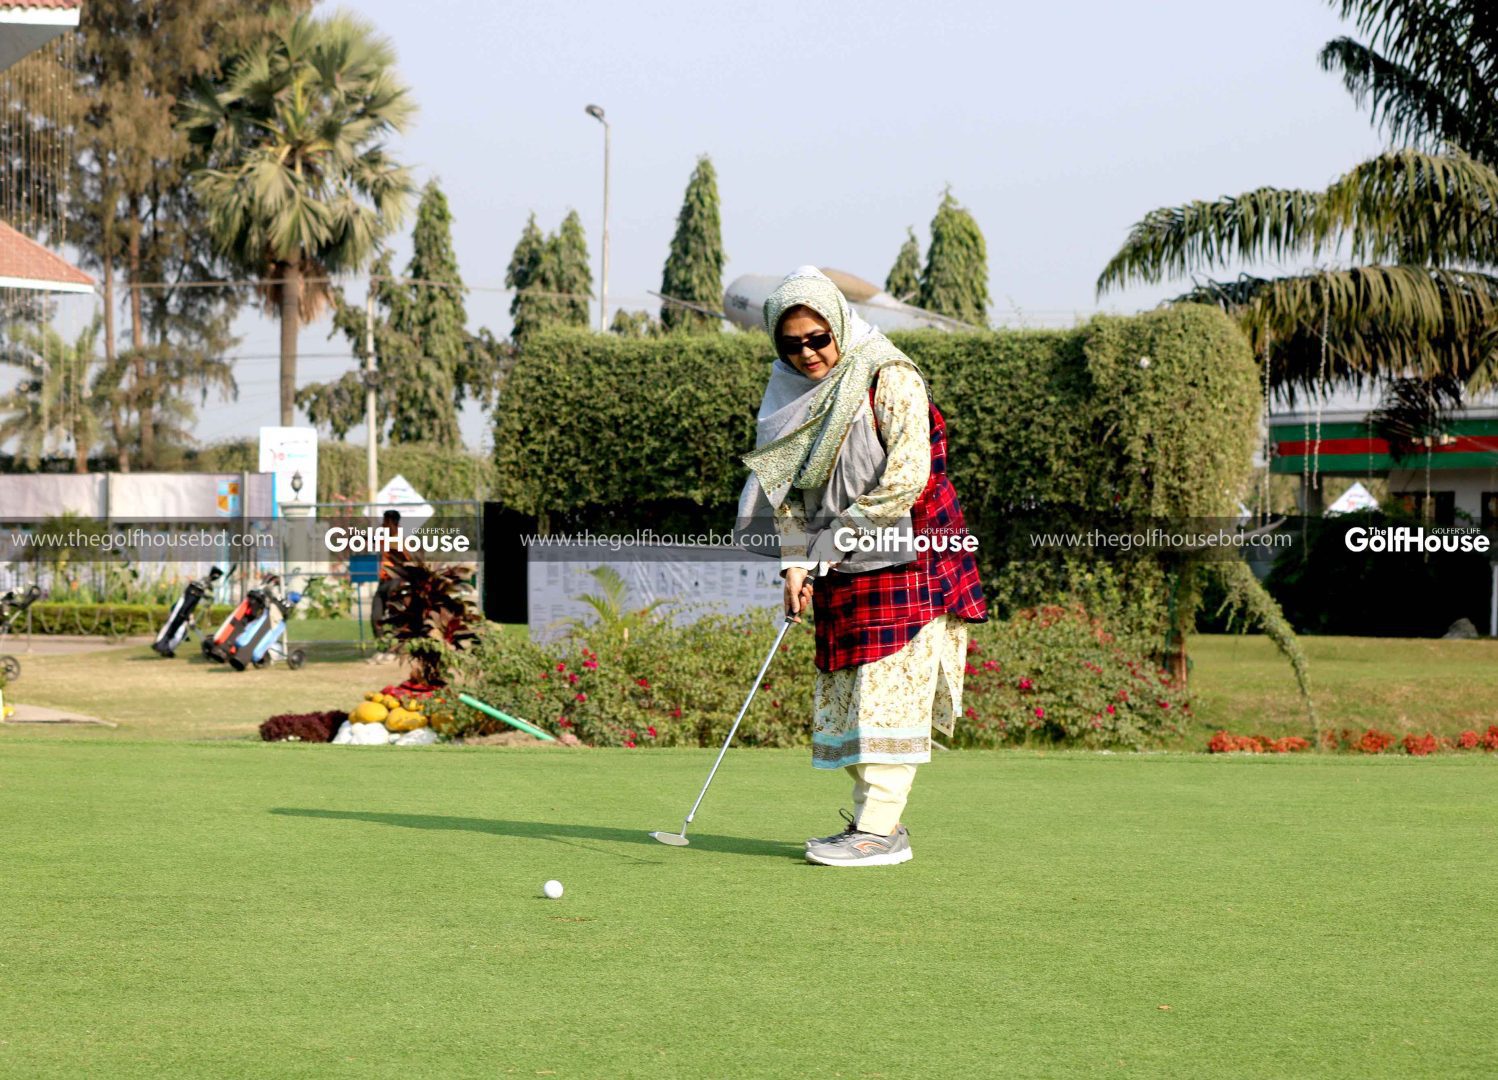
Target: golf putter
column 680, row 839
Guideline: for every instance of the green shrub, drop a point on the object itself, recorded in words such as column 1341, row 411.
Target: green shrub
column 685, row 684
column 1055, row 675
column 109, row 620
column 341, row 468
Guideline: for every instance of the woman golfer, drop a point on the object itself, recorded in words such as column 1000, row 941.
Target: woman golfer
column 850, row 463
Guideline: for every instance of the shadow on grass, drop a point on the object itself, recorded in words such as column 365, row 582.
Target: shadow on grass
column 559, row 833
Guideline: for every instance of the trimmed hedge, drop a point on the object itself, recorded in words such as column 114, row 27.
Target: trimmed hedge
column 601, row 432
column 436, row 473
column 109, row 620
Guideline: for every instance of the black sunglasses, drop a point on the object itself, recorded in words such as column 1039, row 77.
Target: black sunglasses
column 793, row 346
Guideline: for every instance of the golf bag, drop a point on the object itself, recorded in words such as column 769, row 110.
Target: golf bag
column 11, row 608
column 249, row 609
column 183, row 619
column 260, row 638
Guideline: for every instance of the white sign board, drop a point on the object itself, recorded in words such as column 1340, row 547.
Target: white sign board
column 287, row 452
column 694, row 582
column 399, row 495
column 1354, row 498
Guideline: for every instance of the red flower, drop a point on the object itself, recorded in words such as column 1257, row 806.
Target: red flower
column 642, row 681
column 1025, row 684
column 582, row 697
column 1468, row 740
column 990, row 665
column 650, row 731
column 1111, row 710
column 590, row 664
column 970, row 712
column 1420, row 745
column 1039, row 713
column 572, row 676
column 1163, row 704
column 561, row 666
column 775, row 704
column 968, row 669
column 629, row 745
column 675, row 714
column 545, row 675
column 562, row 721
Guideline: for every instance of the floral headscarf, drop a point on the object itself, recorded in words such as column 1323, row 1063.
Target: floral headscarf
column 810, row 418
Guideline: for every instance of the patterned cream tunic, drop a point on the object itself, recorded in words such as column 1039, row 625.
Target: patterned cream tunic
column 882, row 712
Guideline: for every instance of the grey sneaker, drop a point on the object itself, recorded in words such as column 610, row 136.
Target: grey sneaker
column 863, row 849
column 851, row 828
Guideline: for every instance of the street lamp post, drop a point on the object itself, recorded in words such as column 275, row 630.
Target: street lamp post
column 596, row 112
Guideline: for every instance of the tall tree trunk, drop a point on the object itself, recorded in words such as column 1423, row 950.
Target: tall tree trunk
column 80, row 455
column 143, row 396
column 290, row 274
column 121, row 442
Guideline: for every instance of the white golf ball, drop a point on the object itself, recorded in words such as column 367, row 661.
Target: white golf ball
column 553, row 890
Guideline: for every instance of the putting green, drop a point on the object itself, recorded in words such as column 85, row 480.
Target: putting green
column 291, row 910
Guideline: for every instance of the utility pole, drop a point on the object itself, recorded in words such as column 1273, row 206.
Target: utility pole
column 603, row 279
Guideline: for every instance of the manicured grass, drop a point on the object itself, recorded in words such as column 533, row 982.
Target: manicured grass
column 1238, row 682
column 1401, row 685
column 291, row 910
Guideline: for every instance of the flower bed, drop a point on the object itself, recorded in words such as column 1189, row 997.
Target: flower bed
column 1369, row 741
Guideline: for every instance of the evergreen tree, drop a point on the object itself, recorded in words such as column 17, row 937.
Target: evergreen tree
column 904, row 281
column 525, row 277
column 571, row 279
column 694, row 268
column 427, row 361
column 955, row 280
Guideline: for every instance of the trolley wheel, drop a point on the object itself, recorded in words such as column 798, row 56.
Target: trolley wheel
column 11, row 667
column 168, row 655
column 297, row 658
column 263, row 662
column 208, row 648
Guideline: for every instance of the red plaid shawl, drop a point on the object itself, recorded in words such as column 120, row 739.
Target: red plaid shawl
column 862, row 617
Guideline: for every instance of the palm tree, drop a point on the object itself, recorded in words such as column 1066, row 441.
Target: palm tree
column 1418, row 295
column 295, row 176
column 58, row 403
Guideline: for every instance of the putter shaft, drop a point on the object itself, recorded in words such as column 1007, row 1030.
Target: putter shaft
column 784, row 626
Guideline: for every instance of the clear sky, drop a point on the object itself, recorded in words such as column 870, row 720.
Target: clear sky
column 832, row 127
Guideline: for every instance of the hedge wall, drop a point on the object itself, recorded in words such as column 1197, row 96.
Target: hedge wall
column 598, row 431
column 109, row 620
column 436, row 473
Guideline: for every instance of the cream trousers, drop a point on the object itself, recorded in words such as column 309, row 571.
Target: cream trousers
column 879, row 794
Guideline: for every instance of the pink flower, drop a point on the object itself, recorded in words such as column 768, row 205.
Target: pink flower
column 629, row 745
column 1163, row 704
column 590, row 664
column 1025, row 684
column 1110, row 710
column 990, row 665
column 582, row 697
column 1039, row 713
column 968, row 669
column 562, row 721
column 561, row 666
column 572, row 676
column 650, row 731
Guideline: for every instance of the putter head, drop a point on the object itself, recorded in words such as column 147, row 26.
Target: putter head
column 674, row 839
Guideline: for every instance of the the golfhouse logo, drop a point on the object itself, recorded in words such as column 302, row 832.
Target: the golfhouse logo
column 895, row 540
column 1405, row 539
column 379, row 540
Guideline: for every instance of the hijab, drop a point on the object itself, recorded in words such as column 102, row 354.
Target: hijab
column 814, row 434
